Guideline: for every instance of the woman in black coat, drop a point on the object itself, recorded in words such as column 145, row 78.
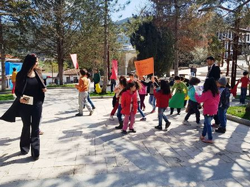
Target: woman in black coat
column 28, row 105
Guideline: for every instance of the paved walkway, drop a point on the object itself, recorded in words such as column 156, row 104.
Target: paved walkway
column 88, row 151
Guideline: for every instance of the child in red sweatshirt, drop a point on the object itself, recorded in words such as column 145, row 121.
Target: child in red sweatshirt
column 210, row 99
column 129, row 107
column 162, row 99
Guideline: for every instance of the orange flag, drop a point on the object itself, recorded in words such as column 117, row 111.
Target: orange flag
column 144, row 67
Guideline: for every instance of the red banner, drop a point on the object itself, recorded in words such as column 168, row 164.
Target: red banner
column 74, row 60
column 114, row 74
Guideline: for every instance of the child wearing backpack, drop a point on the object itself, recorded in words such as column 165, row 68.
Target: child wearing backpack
column 244, row 83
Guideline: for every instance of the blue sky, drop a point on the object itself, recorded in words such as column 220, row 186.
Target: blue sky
column 130, row 9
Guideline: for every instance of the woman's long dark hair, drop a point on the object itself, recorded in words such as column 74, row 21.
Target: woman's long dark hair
column 165, row 88
column 28, row 64
column 210, row 84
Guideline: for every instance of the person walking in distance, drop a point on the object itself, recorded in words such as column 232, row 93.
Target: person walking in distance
column 30, row 95
column 142, row 94
column 83, row 87
column 244, row 83
column 113, row 81
column 97, row 78
column 13, row 79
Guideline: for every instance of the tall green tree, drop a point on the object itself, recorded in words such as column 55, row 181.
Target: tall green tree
column 151, row 42
column 58, row 26
column 12, row 23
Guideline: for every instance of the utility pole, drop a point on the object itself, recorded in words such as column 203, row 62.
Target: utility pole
column 105, row 55
column 2, row 55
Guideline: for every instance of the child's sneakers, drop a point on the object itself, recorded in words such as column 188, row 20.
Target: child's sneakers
column 124, row 132
column 168, row 123
column 220, row 130
column 132, row 131
column 158, row 127
column 185, row 122
column 215, row 125
column 111, row 118
column 143, row 119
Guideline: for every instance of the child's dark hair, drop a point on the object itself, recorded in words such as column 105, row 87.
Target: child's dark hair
column 245, row 73
column 123, row 81
column 194, row 81
column 131, row 75
column 88, row 75
column 121, row 78
column 137, row 85
column 130, row 85
column 165, row 87
column 210, row 84
column 177, row 78
column 83, row 72
column 14, row 69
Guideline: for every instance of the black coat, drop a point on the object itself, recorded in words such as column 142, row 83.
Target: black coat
column 13, row 112
column 214, row 72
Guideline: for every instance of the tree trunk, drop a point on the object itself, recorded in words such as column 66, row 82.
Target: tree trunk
column 105, row 55
column 2, row 56
column 60, row 39
column 60, row 60
column 235, row 51
column 176, row 58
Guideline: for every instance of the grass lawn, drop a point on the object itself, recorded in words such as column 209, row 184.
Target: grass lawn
column 238, row 97
column 98, row 95
column 6, row 97
column 62, row 86
column 239, row 111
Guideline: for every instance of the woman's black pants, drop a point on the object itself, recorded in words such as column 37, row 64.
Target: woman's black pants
column 31, row 116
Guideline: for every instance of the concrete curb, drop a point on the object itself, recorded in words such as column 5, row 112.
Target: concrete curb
column 101, row 97
column 8, row 101
column 238, row 100
column 60, row 88
column 238, row 120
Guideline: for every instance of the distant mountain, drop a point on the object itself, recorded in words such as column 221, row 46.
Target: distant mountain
column 120, row 22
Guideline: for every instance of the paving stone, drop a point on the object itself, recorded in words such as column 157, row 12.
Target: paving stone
column 88, row 151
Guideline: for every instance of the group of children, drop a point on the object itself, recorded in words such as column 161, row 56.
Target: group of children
column 130, row 95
